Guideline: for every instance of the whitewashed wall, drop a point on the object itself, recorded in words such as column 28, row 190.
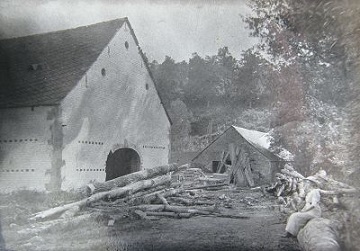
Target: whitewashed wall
column 26, row 149
column 103, row 113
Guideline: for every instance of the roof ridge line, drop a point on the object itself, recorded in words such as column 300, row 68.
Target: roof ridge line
column 124, row 19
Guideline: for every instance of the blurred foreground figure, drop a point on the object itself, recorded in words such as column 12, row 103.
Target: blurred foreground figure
column 311, row 209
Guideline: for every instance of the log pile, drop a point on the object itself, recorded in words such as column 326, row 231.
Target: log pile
column 188, row 177
column 287, row 182
column 164, row 191
column 320, row 232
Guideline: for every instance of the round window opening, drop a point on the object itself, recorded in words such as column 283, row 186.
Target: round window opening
column 103, row 72
column 126, row 45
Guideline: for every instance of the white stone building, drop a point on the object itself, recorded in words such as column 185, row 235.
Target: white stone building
column 76, row 106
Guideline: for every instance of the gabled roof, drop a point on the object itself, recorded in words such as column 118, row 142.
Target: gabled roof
column 259, row 140
column 42, row 69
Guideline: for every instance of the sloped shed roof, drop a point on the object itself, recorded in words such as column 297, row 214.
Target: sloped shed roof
column 259, row 140
column 42, row 69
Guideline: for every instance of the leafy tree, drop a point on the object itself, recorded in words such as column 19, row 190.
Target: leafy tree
column 307, row 44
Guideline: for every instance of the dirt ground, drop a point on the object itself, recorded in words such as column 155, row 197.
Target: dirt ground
column 258, row 226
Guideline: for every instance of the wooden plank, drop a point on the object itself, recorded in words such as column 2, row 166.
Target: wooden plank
column 222, row 161
column 248, row 176
column 232, row 153
column 240, row 179
column 247, row 169
column 232, row 158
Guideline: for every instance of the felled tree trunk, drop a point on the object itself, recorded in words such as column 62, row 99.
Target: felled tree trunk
column 122, row 191
column 189, row 202
column 318, row 235
column 149, row 198
column 170, row 214
column 176, row 209
column 340, row 191
column 133, row 177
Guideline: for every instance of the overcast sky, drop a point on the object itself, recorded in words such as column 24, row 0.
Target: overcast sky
column 162, row 27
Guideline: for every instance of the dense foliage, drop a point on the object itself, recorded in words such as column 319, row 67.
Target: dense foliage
column 205, row 95
column 301, row 82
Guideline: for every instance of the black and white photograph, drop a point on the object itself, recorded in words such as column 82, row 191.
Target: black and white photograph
column 179, row 125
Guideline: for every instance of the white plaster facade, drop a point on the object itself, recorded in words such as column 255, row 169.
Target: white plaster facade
column 118, row 109
column 114, row 105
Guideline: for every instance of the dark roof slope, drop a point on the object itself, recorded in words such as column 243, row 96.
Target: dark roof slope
column 42, row 69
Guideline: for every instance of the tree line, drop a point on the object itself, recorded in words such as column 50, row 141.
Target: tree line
column 300, row 82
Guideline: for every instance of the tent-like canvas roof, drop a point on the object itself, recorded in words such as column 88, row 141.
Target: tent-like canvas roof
column 259, row 140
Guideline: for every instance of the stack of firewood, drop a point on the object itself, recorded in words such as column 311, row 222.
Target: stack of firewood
column 318, row 233
column 287, row 182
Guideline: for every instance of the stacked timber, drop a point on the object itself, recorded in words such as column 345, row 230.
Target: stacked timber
column 287, row 182
column 151, row 192
column 309, row 201
column 188, row 177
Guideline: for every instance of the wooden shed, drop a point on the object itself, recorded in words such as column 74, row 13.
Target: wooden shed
column 77, row 106
column 244, row 154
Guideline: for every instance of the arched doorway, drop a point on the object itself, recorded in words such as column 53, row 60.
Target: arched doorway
column 121, row 162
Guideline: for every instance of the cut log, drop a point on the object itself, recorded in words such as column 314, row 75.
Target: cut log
column 162, row 198
column 122, row 191
column 140, row 194
column 133, row 177
column 175, row 209
column 318, row 235
column 191, row 210
column 340, row 191
column 205, row 187
column 130, row 189
column 152, row 208
column 170, row 214
column 57, row 225
column 150, row 198
column 281, row 176
column 189, row 202
column 292, row 173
